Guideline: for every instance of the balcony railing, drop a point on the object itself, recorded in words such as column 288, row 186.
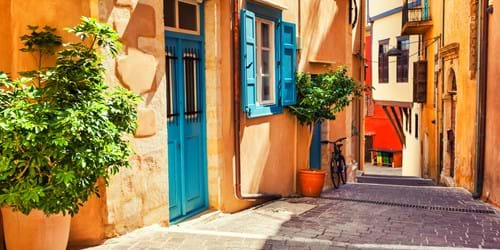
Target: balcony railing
column 416, row 19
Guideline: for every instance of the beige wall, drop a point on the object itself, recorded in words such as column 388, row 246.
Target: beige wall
column 138, row 196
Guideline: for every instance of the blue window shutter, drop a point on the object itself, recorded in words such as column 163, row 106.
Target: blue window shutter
column 288, row 64
column 248, row 61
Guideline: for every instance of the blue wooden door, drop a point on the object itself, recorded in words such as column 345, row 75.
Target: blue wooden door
column 185, row 87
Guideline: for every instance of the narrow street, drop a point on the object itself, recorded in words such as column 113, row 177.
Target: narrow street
column 356, row 216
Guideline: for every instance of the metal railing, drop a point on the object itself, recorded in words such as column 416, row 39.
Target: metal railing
column 415, row 14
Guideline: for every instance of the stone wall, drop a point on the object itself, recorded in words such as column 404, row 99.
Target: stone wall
column 138, row 196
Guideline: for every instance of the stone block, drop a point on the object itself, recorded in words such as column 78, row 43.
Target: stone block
column 146, row 121
column 121, row 19
column 137, row 70
column 132, row 208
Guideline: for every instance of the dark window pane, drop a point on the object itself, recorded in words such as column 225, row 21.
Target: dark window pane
column 188, row 16
column 266, row 89
column 383, row 61
column 169, row 13
column 265, row 62
column 403, row 59
column 265, row 35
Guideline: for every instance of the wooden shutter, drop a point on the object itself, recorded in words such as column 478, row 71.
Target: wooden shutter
column 420, row 81
column 248, row 61
column 288, row 64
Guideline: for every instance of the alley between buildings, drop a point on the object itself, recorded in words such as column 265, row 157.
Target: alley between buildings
column 356, row 216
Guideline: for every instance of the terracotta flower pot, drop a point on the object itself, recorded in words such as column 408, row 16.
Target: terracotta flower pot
column 35, row 231
column 311, row 182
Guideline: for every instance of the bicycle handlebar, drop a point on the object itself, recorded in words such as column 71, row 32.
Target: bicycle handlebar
column 334, row 142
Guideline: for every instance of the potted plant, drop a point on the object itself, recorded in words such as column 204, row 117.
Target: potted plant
column 61, row 130
column 320, row 97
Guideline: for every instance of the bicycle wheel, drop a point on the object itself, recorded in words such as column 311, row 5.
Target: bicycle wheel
column 343, row 170
column 334, row 175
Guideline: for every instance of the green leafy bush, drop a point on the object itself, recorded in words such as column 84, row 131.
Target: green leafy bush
column 61, row 128
column 321, row 96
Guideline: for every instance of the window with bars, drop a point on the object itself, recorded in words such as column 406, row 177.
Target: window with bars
column 383, row 61
column 170, row 77
column 403, row 59
column 191, row 92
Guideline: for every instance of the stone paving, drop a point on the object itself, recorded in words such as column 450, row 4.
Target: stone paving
column 330, row 222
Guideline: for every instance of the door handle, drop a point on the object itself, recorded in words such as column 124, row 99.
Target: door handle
column 249, row 65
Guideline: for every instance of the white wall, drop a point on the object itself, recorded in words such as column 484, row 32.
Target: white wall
column 390, row 27
column 411, row 151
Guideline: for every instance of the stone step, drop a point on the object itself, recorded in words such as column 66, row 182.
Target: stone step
column 395, row 180
column 390, row 176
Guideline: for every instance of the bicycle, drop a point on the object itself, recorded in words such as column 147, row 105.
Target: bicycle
column 338, row 168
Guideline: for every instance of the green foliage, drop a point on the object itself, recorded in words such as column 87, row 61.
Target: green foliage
column 321, row 97
column 59, row 139
column 43, row 41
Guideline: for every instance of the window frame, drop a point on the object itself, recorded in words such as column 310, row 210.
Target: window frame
column 272, row 63
column 383, row 62
column 177, row 17
column 403, row 61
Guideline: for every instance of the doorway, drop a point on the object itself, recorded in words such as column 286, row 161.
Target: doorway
column 185, row 108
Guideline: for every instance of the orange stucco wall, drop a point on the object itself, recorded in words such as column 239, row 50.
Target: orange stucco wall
column 88, row 226
column 272, row 147
column 491, row 188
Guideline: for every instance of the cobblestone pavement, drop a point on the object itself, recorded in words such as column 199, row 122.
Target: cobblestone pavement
column 357, row 216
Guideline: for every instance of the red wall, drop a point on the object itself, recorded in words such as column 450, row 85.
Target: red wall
column 378, row 125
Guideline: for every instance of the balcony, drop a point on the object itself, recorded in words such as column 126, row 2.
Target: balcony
column 416, row 19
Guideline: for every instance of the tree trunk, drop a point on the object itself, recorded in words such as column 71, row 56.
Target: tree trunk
column 309, row 143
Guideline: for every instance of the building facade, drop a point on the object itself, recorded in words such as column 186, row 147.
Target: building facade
column 392, row 81
column 379, row 133
column 450, row 52
column 490, row 16
column 216, row 77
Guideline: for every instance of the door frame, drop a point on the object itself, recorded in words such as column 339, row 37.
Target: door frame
column 203, row 104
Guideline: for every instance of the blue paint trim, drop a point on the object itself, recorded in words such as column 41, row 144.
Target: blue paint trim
column 391, row 11
column 197, row 38
column 275, row 16
column 315, row 150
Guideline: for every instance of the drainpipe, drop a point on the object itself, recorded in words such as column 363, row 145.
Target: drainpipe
column 441, row 121
column 236, row 112
column 481, row 97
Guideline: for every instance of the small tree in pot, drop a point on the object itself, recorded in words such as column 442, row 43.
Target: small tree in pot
column 61, row 130
column 320, row 97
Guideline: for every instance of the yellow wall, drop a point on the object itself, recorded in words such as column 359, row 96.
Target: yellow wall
column 466, row 93
column 436, row 114
column 431, row 111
